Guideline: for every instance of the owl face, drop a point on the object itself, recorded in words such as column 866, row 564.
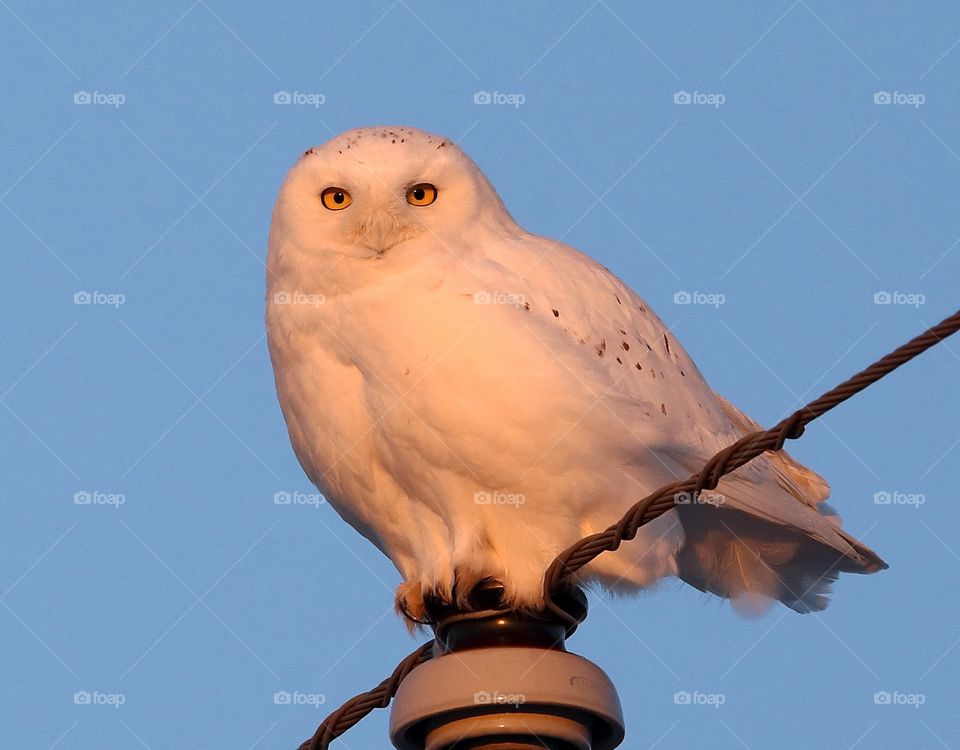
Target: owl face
column 366, row 191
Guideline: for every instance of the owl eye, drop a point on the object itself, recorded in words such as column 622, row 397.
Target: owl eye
column 335, row 198
column 422, row 194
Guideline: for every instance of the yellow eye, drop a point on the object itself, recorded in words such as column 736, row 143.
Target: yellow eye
column 421, row 195
column 335, row 198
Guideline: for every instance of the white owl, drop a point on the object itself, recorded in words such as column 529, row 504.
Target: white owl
column 474, row 398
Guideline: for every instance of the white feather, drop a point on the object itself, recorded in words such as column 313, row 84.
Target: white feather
column 431, row 358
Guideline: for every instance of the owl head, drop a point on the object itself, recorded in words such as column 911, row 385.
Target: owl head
column 365, row 192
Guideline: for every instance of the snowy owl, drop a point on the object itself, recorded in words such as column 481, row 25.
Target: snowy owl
column 474, row 398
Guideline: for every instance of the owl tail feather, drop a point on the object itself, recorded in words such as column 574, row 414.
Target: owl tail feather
column 753, row 562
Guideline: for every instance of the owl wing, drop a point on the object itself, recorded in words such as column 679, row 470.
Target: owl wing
column 674, row 413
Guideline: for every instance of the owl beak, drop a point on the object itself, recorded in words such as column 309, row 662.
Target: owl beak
column 381, row 231
column 382, row 238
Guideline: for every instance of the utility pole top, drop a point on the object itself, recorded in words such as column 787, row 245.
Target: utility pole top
column 504, row 681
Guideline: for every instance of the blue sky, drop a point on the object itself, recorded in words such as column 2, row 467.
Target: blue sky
column 793, row 166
